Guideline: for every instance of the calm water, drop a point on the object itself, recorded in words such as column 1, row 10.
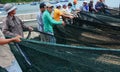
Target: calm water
column 27, row 8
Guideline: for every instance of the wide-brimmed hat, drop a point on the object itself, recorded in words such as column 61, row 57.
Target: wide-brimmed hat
column 9, row 7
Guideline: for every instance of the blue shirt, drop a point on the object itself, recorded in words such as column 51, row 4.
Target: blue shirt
column 40, row 22
column 85, row 8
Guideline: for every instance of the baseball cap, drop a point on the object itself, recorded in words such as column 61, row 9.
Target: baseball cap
column 49, row 5
column 58, row 4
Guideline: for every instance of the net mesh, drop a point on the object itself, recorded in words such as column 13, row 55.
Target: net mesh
column 48, row 57
column 90, row 30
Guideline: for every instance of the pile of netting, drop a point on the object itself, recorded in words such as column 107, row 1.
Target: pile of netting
column 36, row 56
column 88, row 43
column 112, row 12
column 90, row 30
column 87, row 29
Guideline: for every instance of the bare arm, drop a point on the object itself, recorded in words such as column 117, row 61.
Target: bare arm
column 67, row 16
column 6, row 41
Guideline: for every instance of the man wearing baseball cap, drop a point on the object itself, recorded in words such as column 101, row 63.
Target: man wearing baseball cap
column 48, row 22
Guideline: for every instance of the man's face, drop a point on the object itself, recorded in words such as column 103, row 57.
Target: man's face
column 74, row 3
column 59, row 7
column 91, row 1
column 101, row 0
column 50, row 9
column 69, row 6
column 85, row 3
column 12, row 13
column 43, row 9
column 64, row 7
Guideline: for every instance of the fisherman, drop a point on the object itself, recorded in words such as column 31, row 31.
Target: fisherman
column 84, row 7
column 101, row 7
column 64, row 10
column 58, row 13
column 12, row 25
column 42, row 7
column 69, row 7
column 48, row 22
column 74, row 5
column 91, row 8
column 7, row 59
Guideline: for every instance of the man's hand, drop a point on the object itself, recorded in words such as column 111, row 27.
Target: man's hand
column 17, row 38
column 63, row 23
column 71, row 17
column 30, row 28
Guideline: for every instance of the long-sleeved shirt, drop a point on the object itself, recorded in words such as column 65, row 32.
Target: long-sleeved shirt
column 40, row 21
column 13, row 26
column 48, row 21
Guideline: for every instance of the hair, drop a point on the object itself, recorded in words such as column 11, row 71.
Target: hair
column 69, row 4
column 64, row 5
column 42, row 5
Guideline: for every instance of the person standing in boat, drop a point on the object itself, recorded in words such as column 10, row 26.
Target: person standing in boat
column 12, row 25
column 42, row 7
column 7, row 59
column 48, row 22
